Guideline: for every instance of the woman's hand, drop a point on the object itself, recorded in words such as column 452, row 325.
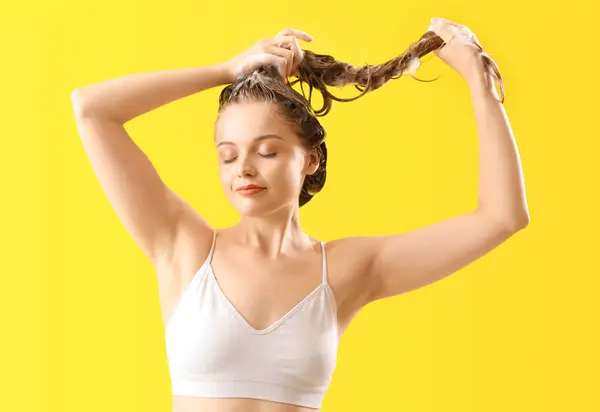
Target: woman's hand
column 281, row 51
column 462, row 50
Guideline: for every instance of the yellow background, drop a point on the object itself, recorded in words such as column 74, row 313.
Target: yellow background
column 517, row 330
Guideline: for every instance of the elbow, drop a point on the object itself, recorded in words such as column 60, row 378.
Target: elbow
column 81, row 105
column 519, row 223
column 75, row 95
column 511, row 223
column 76, row 102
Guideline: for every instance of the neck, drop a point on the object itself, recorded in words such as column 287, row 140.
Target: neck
column 275, row 234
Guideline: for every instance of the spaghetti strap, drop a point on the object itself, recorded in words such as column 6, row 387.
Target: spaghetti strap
column 212, row 248
column 324, row 262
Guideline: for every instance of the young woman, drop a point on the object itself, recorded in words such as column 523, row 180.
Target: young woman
column 253, row 313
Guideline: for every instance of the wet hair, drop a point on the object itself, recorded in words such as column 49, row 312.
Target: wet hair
column 317, row 71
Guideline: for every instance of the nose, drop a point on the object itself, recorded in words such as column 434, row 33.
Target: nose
column 245, row 166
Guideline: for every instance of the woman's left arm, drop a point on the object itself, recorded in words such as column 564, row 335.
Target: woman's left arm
column 501, row 186
column 406, row 261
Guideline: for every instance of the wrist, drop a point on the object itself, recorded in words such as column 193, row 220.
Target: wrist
column 481, row 82
column 226, row 71
column 477, row 79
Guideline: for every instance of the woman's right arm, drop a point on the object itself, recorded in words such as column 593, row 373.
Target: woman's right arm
column 149, row 210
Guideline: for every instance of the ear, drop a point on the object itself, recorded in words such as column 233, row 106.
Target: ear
column 311, row 162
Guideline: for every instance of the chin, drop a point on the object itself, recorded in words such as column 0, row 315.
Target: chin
column 258, row 207
column 250, row 207
column 250, row 210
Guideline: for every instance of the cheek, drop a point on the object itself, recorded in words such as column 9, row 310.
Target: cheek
column 225, row 176
column 286, row 172
column 282, row 167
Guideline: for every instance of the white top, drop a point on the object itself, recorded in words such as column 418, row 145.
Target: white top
column 213, row 352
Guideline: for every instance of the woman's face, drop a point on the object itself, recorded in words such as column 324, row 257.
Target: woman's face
column 254, row 147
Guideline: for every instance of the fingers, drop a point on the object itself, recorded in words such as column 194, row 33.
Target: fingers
column 443, row 29
column 462, row 30
column 287, row 55
column 295, row 55
column 288, row 39
column 257, row 60
column 449, row 22
column 296, row 33
column 448, row 29
column 284, row 50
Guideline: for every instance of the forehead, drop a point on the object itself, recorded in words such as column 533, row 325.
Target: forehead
column 240, row 123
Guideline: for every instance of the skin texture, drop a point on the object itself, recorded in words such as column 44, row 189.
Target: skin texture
column 242, row 160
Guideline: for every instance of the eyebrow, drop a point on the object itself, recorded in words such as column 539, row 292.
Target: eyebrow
column 258, row 138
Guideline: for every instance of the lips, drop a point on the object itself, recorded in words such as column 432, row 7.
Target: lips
column 250, row 190
column 248, row 187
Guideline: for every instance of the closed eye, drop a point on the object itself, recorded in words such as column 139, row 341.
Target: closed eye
column 267, row 155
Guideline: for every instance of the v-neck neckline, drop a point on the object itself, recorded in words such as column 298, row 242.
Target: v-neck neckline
column 277, row 323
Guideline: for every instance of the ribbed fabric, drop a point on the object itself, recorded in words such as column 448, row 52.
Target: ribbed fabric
column 213, row 352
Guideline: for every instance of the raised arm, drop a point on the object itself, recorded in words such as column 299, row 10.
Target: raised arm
column 407, row 261
column 149, row 210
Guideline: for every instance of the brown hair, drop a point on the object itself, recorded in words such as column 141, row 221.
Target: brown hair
column 319, row 71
